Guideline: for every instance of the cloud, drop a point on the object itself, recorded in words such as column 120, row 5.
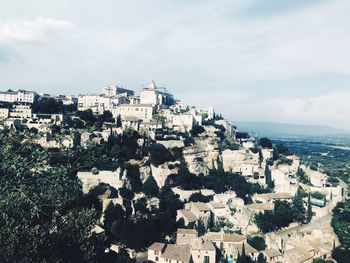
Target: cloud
column 230, row 54
column 35, row 30
column 8, row 55
column 328, row 109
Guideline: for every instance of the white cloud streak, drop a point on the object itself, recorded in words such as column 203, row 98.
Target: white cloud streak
column 329, row 109
column 39, row 29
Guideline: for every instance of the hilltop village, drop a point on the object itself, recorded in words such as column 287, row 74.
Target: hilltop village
column 177, row 183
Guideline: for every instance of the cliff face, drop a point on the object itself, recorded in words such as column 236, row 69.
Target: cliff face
column 198, row 157
column 201, row 155
column 162, row 172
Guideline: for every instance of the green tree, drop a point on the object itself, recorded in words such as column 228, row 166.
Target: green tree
column 159, row 118
column 198, row 197
column 119, row 121
column 274, row 220
column 298, row 209
column 159, row 154
column 268, row 177
column 87, row 116
column 150, row 187
column 265, row 143
column 41, row 217
column 47, row 105
column 126, row 193
column 76, row 139
column 309, row 209
column 133, row 174
column 261, row 157
column 261, row 258
column 257, row 242
column 196, row 130
column 113, row 213
column 341, row 254
column 279, row 151
column 200, row 227
column 341, row 225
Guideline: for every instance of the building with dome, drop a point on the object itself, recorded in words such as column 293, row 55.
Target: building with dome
column 156, row 96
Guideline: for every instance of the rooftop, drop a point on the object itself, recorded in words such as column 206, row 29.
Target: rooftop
column 271, row 253
column 157, row 246
column 217, row 205
column 220, row 236
column 261, row 207
column 186, row 231
column 201, row 206
column 272, row 196
column 177, row 252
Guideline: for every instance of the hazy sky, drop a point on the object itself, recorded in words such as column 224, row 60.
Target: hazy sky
column 253, row 60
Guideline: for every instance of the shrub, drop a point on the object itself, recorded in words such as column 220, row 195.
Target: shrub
column 150, row 187
column 265, row 143
column 317, row 195
column 188, row 141
column 126, row 193
column 196, row 130
column 257, row 242
column 159, row 154
column 198, row 197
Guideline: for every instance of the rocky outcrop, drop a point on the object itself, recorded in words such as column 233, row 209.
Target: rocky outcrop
column 200, row 156
column 161, row 172
column 169, row 144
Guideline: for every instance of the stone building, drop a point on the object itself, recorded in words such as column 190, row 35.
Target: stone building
column 156, row 96
column 188, row 248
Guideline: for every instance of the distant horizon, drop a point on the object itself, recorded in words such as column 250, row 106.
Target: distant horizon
column 268, row 128
column 292, row 123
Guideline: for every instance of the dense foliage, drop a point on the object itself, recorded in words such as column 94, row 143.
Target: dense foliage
column 341, row 225
column 265, row 143
column 41, row 216
column 154, row 224
column 48, row 105
column 159, row 154
column 196, row 130
column 274, row 220
column 218, row 180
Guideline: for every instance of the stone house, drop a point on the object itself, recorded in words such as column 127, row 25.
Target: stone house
column 231, row 244
column 188, row 248
column 272, row 255
column 201, row 210
column 90, row 180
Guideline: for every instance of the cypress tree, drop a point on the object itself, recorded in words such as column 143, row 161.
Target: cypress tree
column 261, row 157
column 309, row 209
column 119, row 121
column 298, row 209
column 243, row 251
column 150, row 187
column 261, row 258
column 268, row 179
column 239, row 259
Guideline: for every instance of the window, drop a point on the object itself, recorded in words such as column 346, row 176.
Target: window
column 157, row 258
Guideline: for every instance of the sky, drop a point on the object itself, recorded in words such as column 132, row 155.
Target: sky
column 252, row 60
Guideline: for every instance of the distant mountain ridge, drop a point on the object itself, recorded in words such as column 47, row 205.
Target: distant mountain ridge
column 275, row 129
